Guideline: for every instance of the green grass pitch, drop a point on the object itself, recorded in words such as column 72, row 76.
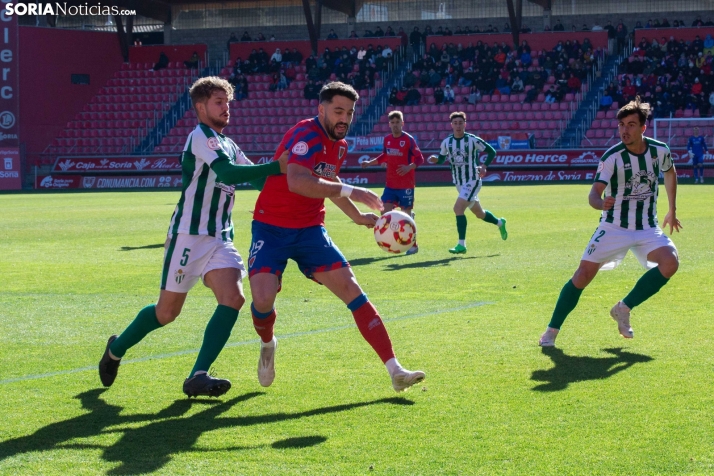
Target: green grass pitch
column 77, row 267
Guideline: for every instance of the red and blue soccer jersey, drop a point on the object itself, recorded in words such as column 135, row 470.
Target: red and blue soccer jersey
column 309, row 147
column 402, row 150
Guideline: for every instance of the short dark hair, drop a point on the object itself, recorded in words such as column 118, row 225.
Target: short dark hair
column 456, row 115
column 337, row 88
column 203, row 88
column 642, row 109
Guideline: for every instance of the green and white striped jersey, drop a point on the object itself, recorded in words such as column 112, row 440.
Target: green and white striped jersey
column 633, row 180
column 463, row 155
column 205, row 204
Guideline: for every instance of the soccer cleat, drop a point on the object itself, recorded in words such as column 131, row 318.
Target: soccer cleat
column 413, row 250
column 204, row 384
column 502, row 229
column 548, row 337
column 621, row 314
column 402, row 379
column 458, row 249
column 701, row 179
column 108, row 367
column 266, row 363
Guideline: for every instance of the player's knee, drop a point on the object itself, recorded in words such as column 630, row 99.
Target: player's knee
column 669, row 267
column 166, row 315
column 236, row 302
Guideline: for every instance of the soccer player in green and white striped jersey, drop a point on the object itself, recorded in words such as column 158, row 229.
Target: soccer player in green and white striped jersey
column 628, row 174
column 200, row 239
column 462, row 151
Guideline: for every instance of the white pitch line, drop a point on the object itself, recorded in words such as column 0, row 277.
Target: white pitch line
column 236, row 344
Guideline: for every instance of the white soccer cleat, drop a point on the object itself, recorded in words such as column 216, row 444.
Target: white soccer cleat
column 402, row 378
column 621, row 314
column 266, row 363
column 548, row 337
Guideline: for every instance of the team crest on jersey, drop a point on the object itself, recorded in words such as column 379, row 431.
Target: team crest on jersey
column 591, row 248
column 641, row 185
column 213, row 144
column 600, row 166
column 179, row 276
column 325, row 170
column 300, row 148
column 402, row 143
column 341, row 151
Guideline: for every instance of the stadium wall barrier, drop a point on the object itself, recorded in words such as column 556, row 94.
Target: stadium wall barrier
column 686, row 34
column 537, row 41
column 176, row 53
column 48, row 58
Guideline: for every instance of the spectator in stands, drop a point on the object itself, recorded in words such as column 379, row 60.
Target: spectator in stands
column 558, row 26
column 415, row 40
column 507, row 28
column 277, row 56
column 260, row 37
column 310, row 62
column 413, row 97
column 574, row 84
column 387, row 52
column 410, row 79
column 550, row 97
column 605, row 101
column 517, row 85
column 232, row 39
column 246, row 36
column 378, row 32
column 449, row 96
column 390, row 31
column 192, row 62
column 162, row 63
column 393, row 101
column 698, row 21
column 474, row 96
column 621, row 35
column 531, row 95
column 240, row 87
column 353, row 34
column 324, row 72
column 438, row 95
column 434, row 78
column 402, row 96
column 404, row 39
column 332, row 35
column 311, row 90
column 290, row 73
column 296, row 57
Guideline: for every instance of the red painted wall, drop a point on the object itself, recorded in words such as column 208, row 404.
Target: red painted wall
column 242, row 50
column 686, row 34
column 176, row 53
column 537, row 41
column 48, row 99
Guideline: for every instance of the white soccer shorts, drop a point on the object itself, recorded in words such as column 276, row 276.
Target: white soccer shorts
column 190, row 257
column 610, row 243
column 469, row 191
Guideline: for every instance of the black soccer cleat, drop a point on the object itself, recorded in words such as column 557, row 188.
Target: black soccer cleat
column 108, row 367
column 204, row 384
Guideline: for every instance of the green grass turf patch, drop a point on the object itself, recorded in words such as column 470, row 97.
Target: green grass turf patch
column 78, row 267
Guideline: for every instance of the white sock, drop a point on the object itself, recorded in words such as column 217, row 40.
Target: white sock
column 500, row 223
column 112, row 356
column 268, row 344
column 462, row 242
column 199, row 372
column 392, row 365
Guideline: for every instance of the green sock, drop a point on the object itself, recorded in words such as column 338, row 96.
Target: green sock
column 215, row 337
column 461, row 226
column 566, row 303
column 490, row 218
column 646, row 287
column 143, row 323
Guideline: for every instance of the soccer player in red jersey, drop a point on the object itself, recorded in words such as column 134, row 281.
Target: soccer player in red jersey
column 288, row 223
column 402, row 156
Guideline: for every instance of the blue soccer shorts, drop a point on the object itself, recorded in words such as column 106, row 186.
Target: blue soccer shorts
column 311, row 248
column 399, row 197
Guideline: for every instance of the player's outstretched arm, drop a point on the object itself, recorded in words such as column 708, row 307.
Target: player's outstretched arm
column 303, row 182
column 231, row 174
column 670, row 184
column 350, row 209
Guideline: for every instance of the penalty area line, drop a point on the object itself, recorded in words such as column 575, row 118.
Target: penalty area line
column 247, row 342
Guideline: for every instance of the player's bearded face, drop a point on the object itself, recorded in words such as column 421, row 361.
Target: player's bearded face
column 336, row 116
column 217, row 110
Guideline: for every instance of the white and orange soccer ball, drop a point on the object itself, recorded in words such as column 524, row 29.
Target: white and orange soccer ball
column 395, row 232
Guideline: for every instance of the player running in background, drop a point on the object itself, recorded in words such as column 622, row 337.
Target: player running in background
column 402, row 156
column 288, row 223
column 200, row 240
column 697, row 146
column 628, row 174
column 462, row 150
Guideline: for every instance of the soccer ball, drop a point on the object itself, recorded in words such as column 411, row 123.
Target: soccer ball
column 395, row 232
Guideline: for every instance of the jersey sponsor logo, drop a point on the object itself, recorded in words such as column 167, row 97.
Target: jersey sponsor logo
column 457, row 157
column 391, row 151
column 600, row 166
column 325, row 170
column 300, row 148
column 641, row 185
column 213, row 144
